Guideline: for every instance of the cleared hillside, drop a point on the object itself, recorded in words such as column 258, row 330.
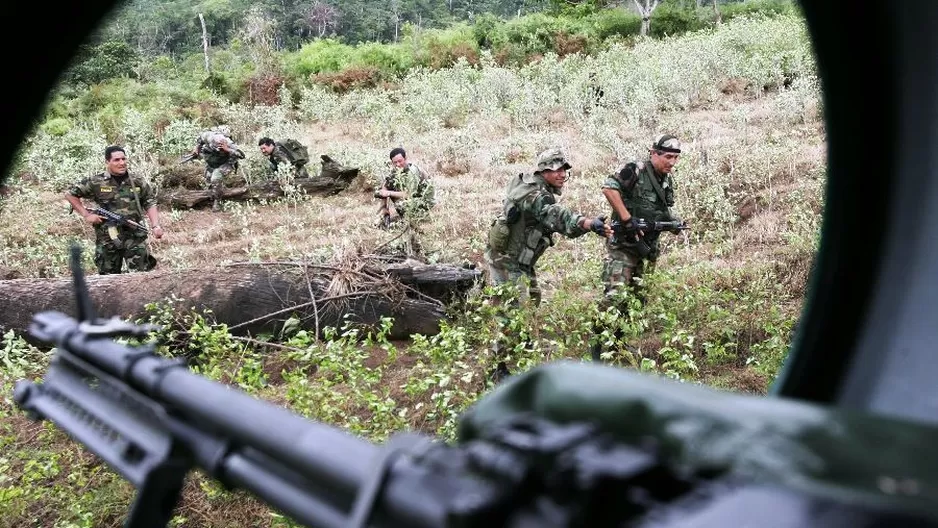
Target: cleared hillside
column 744, row 98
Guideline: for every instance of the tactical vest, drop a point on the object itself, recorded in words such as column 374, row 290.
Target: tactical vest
column 644, row 201
column 515, row 233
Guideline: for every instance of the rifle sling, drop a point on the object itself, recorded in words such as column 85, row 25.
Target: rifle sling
column 658, row 190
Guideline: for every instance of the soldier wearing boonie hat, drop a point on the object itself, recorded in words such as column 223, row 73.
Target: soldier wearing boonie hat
column 530, row 216
column 640, row 189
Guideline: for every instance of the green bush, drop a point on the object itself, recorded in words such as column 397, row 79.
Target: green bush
column 319, row 56
column 486, row 30
column 442, row 48
column 393, row 59
column 669, row 21
column 100, row 63
column 57, row 126
column 763, row 7
column 614, row 23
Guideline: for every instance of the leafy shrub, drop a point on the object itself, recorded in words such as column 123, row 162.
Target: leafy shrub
column 100, row 63
column 759, row 7
column 668, row 21
column 319, row 56
column 610, row 23
column 349, row 79
column 392, row 59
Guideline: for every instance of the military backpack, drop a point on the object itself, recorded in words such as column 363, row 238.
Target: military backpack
column 299, row 155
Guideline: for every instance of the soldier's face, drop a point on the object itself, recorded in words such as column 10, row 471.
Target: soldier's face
column 399, row 161
column 267, row 149
column 118, row 163
column 663, row 162
column 555, row 178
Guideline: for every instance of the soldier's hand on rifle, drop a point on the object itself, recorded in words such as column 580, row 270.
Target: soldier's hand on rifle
column 630, row 228
column 93, row 219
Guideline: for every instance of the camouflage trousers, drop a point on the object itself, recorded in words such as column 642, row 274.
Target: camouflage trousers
column 215, row 177
column 622, row 273
column 114, row 245
column 502, row 272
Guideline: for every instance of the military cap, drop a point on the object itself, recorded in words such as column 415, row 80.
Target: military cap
column 552, row 159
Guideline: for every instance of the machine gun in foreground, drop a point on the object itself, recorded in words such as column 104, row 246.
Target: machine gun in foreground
column 566, row 444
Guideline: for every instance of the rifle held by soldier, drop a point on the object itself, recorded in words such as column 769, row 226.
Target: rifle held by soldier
column 640, row 226
column 117, row 218
column 385, row 221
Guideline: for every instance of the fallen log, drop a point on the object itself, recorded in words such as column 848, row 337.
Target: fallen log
column 268, row 190
column 258, row 298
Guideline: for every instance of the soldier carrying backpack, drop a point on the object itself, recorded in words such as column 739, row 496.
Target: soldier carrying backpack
column 288, row 151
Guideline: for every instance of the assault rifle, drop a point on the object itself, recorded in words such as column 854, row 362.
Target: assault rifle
column 536, row 465
column 644, row 226
column 117, row 218
column 186, row 158
column 385, row 221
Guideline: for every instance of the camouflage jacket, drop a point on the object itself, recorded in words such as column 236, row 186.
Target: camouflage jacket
column 215, row 157
column 421, row 193
column 117, row 194
column 279, row 155
column 532, row 216
column 641, row 198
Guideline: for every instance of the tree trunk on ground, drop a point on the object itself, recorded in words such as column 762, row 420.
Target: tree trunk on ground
column 258, row 298
column 269, row 190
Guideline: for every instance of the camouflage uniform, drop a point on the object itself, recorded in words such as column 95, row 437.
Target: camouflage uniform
column 218, row 163
column 624, row 265
column 280, row 155
column 421, row 193
column 115, row 243
column 525, row 229
column 421, row 196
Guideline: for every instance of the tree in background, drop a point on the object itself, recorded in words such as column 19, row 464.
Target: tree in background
column 323, row 18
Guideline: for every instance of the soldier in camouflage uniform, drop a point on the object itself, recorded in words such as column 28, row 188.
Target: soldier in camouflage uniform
column 530, row 217
column 278, row 155
column 407, row 190
column 125, row 194
column 640, row 189
column 221, row 157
